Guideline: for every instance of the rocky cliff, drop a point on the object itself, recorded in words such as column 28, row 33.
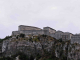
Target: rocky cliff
column 46, row 46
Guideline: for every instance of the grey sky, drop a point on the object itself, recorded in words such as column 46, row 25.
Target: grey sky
column 59, row 14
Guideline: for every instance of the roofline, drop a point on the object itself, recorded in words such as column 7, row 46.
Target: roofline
column 29, row 26
column 50, row 28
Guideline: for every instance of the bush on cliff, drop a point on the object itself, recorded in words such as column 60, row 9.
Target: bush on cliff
column 23, row 57
column 6, row 58
column 22, row 35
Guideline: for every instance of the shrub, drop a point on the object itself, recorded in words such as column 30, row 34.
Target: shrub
column 22, row 35
column 31, row 58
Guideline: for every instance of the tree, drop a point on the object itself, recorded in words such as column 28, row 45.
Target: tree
column 22, row 56
column 22, row 35
column 31, row 58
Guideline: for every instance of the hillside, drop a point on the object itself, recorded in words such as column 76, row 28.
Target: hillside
column 41, row 47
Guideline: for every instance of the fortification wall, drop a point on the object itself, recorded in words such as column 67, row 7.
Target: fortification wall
column 46, row 32
column 34, row 32
column 51, row 31
column 15, row 33
column 22, row 27
column 31, row 32
column 58, row 34
column 75, row 39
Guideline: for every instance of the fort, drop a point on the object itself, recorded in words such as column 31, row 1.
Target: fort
column 31, row 30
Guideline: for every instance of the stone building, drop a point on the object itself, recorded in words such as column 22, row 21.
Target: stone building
column 27, row 30
column 23, row 27
column 30, row 30
column 66, row 36
column 50, row 30
column 15, row 33
column 58, row 34
column 75, row 38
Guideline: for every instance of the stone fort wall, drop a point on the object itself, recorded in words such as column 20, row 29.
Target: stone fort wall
column 27, row 30
column 15, row 33
column 51, row 31
column 32, row 32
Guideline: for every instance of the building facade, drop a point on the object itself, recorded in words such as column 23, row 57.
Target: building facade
column 66, row 36
column 75, row 38
column 58, row 34
column 30, row 30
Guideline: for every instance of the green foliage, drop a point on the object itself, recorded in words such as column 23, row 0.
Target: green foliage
column 44, row 35
column 6, row 58
column 49, row 59
column 36, row 39
column 16, row 37
column 31, row 58
column 1, row 40
column 23, row 57
column 22, row 35
column 60, row 40
column 38, row 57
column 30, row 39
column 7, row 37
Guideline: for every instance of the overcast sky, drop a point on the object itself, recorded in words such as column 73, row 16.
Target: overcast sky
column 61, row 15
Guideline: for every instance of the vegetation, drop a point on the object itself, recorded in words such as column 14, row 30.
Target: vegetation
column 23, row 57
column 7, row 37
column 22, row 35
column 1, row 40
column 6, row 58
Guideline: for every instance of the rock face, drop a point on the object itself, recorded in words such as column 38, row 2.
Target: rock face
column 11, row 47
column 4, row 45
column 39, row 45
column 1, row 49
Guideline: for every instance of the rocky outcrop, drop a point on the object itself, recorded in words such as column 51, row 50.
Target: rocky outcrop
column 40, row 45
column 11, row 47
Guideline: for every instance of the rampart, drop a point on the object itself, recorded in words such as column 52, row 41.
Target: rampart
column 32, row 32
column 51, row 31
column 15, row 32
